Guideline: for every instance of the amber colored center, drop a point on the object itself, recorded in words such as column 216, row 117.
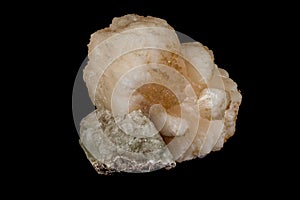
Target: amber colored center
column 158, row 94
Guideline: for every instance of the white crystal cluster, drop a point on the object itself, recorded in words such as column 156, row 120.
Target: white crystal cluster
column 158, row 101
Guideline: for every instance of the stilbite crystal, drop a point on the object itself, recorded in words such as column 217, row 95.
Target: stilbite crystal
column 157, row 101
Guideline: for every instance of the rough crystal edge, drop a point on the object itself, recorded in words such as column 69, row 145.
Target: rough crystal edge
column 100, row 168
column 132, row 167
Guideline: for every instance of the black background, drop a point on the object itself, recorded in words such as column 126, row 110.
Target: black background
column 240, row 36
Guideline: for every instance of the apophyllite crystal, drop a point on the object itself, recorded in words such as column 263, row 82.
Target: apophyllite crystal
column 158, row 102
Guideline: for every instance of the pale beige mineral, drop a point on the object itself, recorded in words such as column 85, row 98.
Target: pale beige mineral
column 158, row 101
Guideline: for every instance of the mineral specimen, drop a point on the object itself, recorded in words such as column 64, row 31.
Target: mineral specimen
column 158, row 102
